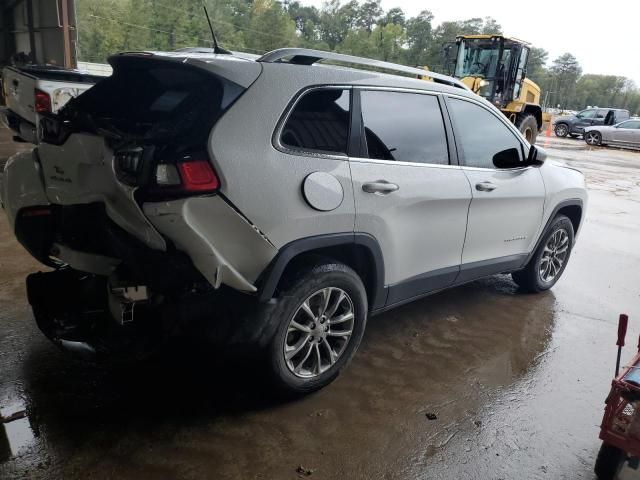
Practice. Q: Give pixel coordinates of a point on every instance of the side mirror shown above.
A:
(509, 158)
(537, 156)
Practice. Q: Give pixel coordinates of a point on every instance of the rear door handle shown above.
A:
(485, 187)
(380, 187)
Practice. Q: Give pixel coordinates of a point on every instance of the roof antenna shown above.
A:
(216, 47)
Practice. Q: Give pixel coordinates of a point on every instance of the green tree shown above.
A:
(419, 33)
(100, 30)
(536, 69)
(389, 40)
(491, 27)
(396, 16)
(336, 21)
(365, 29)
(270, 27)
(564, 72)
(368, 14)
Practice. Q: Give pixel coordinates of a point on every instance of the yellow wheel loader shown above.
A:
(495, 67)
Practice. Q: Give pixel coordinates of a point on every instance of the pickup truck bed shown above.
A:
(32, 90)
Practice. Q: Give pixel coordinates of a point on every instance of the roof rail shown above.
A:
(306, 56)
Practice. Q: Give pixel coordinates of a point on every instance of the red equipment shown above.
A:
(620, 428)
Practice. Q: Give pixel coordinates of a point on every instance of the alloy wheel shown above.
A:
(554, 255)
(561, 130)
(592, 138)
(319, 332)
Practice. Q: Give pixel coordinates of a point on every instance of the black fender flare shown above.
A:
(270, 278)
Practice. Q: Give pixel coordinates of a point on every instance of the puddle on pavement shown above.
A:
(16, 434)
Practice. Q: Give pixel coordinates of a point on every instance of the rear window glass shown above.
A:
(319, 122)
(153, 99)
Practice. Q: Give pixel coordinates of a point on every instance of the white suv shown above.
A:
(301, 197)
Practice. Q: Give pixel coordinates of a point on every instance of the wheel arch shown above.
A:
(572, 208)
(573, 211)
(360, 251)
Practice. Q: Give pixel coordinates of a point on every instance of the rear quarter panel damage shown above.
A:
(21, 185)
(222, 244)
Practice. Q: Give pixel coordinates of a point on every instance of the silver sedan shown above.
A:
(624, 134)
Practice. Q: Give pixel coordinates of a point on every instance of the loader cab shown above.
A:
(493, 66)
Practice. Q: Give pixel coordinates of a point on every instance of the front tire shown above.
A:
(528, 126)
(550, 258)
(593, 138)
(561, 130)
(321, 316)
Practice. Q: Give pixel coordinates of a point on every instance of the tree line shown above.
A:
(364, 29)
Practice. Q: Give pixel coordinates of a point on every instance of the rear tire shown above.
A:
(315, 312)
(528, 126)
(550, 258)
(609, 462)
(561, 130)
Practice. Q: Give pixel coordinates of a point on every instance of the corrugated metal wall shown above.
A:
(39, 30)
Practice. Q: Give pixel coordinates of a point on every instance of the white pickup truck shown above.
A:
(31, 91)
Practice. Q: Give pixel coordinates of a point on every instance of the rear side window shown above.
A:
(622, 115)
(319, 122)
(479, 134)
(405, 127)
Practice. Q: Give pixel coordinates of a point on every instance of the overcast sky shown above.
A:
(603, 35)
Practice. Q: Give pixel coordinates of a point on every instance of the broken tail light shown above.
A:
(42, 102)
(198, 176)
(190, 175)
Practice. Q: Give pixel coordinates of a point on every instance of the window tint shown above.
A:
(602, 113)
(406, 127)
(319, 121)
(480, 135)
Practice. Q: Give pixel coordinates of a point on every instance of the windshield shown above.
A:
(477, 58)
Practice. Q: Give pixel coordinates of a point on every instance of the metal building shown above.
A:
(39, 31)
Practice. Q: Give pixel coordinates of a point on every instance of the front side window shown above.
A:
(587, 114)
(630, 124)
(406, 127)
(319, 122)
(480, 135)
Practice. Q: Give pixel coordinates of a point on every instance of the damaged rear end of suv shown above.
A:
(122, 201)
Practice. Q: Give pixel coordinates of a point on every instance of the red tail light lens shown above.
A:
(42, 102)
(198, 176)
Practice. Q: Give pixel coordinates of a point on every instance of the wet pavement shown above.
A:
(479, 382)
